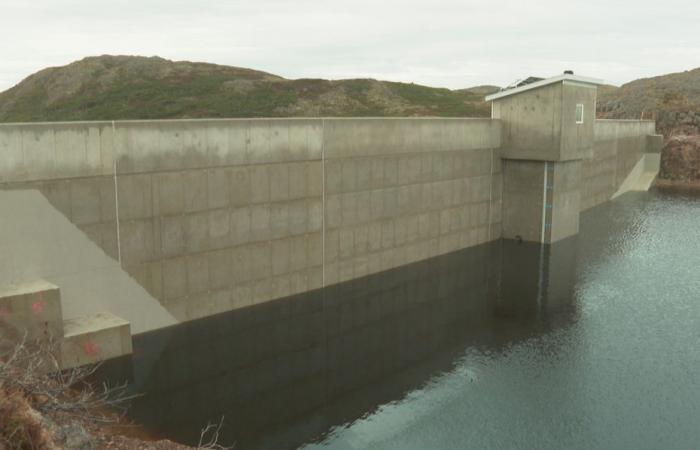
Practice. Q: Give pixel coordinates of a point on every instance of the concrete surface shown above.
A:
(41, 243)
(642, 174)
(617, 149)
(540, 124)
(94, 338)
(402, 190)
(33, 311)
(32, 308)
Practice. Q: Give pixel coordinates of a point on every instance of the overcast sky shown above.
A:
(448, 43)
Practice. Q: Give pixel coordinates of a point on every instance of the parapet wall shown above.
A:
(213, 215)
(618, 146)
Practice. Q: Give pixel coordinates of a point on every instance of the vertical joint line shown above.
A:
(490, 191)
(323, 203)
(544, 203)
(116, 195)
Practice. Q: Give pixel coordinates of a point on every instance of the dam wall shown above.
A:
(214, 215)
(617, 147)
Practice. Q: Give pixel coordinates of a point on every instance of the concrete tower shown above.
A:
(547, 131)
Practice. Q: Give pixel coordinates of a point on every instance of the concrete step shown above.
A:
(641, 176)
(94, 338)
(34, 308)
(645, 181)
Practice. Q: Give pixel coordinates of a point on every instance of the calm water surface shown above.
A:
(592, 344)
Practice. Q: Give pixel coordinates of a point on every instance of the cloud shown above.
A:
(447, 43)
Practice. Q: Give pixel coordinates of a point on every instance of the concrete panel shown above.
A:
(12, 167)
(135, 196)
(279, 182)
(281, 254)
(32, 308)
(197, 266)
(86, 201)
(531, 123)
(260, 222)
(577, 138)
(220, 235)
(241, 268)
(107, 150)
(565, 215)
(137, 241)
(655, 143)
(234, 143)
(169, 193)
(258, 148)
(298, 217)
(523, 187)
(617, 150)
(196, 190)
(259, 184)
(71, 151)
(196, 232)
(241, 225)
(135, 148)
(218, 189)
(239, 183)
(38, 145)
(314, 179)
(279, 220)
(195, 146)
(172, 235)
(219, 150)
(95, 338)
(364, 137)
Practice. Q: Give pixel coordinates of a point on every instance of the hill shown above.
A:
(133, 87)
(672, 99)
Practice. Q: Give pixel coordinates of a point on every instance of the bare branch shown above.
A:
(34, 369)
(209, 437)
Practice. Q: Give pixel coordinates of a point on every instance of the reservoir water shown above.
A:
(593, 343)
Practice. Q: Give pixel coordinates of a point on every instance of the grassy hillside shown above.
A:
(132, 87)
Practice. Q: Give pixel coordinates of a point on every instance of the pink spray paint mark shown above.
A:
(91, 348)
(38, 307)
(4, 312)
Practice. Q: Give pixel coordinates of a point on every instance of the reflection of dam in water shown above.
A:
(284, 372)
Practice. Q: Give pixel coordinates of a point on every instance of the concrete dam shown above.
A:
(125, 227)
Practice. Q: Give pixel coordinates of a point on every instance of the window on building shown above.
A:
(579, 113)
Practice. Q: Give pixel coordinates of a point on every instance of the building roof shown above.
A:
(537, 84)
(528, 80)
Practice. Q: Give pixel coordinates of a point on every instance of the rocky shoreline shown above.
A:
(680, 160)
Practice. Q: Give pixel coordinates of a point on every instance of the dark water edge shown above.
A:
(318, 367)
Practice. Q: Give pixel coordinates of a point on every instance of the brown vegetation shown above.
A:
(43, 408)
